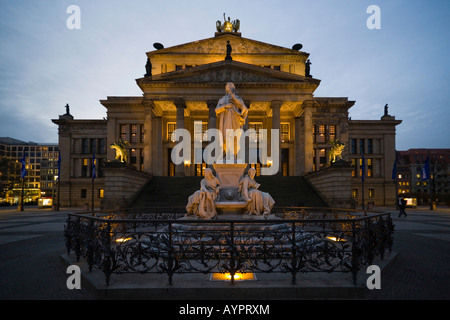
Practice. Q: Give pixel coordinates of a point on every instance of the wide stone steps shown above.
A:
(174, 191)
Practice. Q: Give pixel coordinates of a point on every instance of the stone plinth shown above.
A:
(334, 184)
(122, 183)
(229, 175)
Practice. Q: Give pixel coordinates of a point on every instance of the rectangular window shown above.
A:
(255, 126)
(354, 193)
(133, 156)
(320, 133)
(361, 146)
(123, 132)
(134, 133)
(331, 132)
(354, 168)
(371, 193)
(83, 193)
(102, 145)
(84, 166)
(369, 168)
(84, 146)
(171, 127)
(284, 132)
(369, 146)
(93, 146)
(199, 129)
(101, 193)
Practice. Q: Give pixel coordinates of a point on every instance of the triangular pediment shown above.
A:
(217, 45)
(228, 71)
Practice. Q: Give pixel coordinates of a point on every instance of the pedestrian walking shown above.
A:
(402, 206)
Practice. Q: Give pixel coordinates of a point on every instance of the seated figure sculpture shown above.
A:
(258, 202)
(202, 202)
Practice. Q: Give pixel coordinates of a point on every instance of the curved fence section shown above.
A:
(293, 241)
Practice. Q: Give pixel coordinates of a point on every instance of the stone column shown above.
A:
(308, 139)
(148, 146)
(212, 113)
(298, 152)
(276, 124)
(180, 104)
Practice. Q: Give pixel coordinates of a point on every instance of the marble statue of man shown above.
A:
(258, 202)
(202, 202)
(231, 113)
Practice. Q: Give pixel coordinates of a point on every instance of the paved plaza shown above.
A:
(32, 244)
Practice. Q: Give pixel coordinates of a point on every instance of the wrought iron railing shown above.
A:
(295, 240)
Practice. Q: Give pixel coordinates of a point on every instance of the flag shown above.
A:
(426, 169)
(363, 168)
(23, 171)
(59, 165)
(93, 166)
(394, 168)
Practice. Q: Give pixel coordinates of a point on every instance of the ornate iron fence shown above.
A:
(163, 241)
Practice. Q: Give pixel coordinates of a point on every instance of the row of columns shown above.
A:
(303, 134)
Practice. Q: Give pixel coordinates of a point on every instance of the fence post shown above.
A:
(107, 253)
(294, 256)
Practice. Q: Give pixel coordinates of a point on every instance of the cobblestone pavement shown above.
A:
(32, 242)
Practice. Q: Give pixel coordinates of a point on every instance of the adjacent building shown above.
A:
(41, 165)
(410, 179)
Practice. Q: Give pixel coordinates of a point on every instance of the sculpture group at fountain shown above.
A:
(231, 191)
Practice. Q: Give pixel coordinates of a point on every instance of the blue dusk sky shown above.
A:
(44, 65)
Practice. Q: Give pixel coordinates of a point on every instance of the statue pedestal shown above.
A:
(229, 175)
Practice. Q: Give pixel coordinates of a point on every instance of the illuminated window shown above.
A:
(255, 126)
(199, 129)
(284, 132)
(101, 193)
(320, 133)
(371, 193)
(369, 168)
(134, 133)
(353, 168)
(171, 127)
(331, 132)
(84, 166)
(355, 193)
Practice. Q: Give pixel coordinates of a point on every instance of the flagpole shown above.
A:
(93, 177)
(23, 173)
(363, 165)
(429, 181)
(58, 181)
(21, 197)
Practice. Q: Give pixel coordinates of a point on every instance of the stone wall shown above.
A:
(333, 184)
(122, 184)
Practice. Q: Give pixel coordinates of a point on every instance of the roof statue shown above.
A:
(228, 26)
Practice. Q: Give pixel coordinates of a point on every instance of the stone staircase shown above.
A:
(174, 191)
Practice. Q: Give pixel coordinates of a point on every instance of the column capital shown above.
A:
(276, 104)
(180, 103)
(148, 104)
(211, 103)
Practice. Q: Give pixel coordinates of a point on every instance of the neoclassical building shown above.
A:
(180, 89)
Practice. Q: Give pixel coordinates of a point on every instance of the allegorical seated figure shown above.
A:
(202, 202)
(258, 202)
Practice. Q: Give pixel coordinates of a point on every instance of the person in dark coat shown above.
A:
(402, 206)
